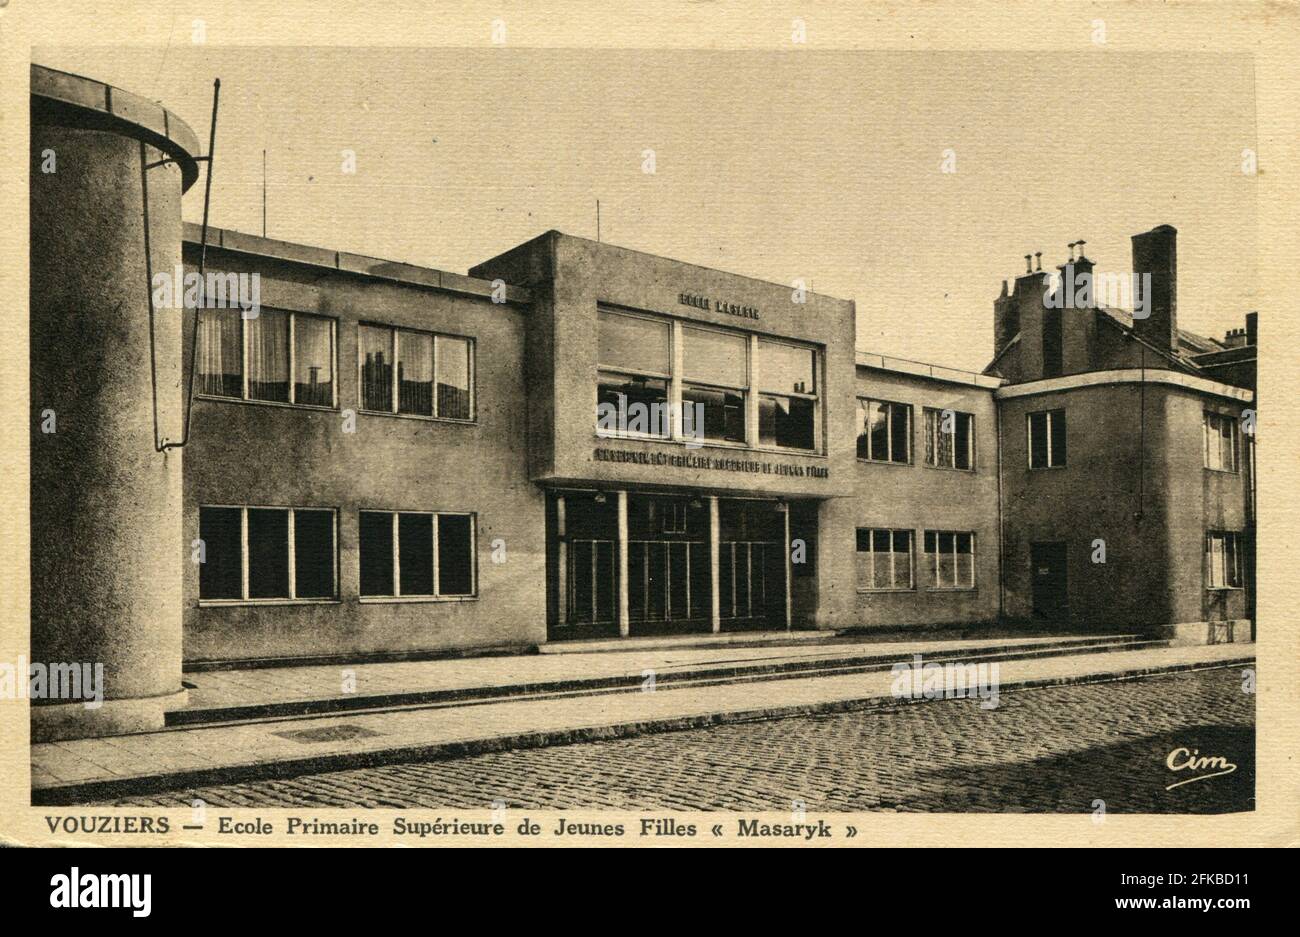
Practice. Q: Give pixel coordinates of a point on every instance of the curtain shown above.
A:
(313, 361)
(415, 373)
(220, 362)
(376, 368)
(268, 356)
(453, 378)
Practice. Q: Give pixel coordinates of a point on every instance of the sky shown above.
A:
(824, 166)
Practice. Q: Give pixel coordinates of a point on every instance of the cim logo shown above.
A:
(102, 891)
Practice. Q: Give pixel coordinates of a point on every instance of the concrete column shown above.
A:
(785, 514)
(621, 559)
(715, 531)
(561, 564)
(107, 549)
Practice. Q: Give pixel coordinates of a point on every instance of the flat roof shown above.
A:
(934, 372)
(360, 264)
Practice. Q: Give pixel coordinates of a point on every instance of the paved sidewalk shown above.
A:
(64, 772)
(241, 689)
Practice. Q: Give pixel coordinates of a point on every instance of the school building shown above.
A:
(573, 440)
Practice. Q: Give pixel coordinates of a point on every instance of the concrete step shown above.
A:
(713, 674)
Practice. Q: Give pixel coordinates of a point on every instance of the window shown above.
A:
(254, 553)
(635, 364)
(884, 559)
(1220, 442)
(649, 368)
(787, 403)
(1046, 430)
(416, 554)
(950, 559)
(715, 368)
(280, 357)
(1223, 560)
(415, 373)
(885, 434)
(949, 439)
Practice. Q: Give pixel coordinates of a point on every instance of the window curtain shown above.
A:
(313, 361)
(376, 368)
(268, 356)
(453, 378)
(220, 361)
(415, 373)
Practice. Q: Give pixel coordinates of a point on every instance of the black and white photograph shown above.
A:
(746, 437)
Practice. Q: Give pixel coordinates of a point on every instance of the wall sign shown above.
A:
(712, 463)
(703, 302)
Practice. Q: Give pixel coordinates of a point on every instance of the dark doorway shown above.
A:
(1050, 587)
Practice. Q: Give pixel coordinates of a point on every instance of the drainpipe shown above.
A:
(1002, 579)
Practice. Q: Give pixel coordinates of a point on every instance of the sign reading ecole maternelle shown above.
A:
(711, 463)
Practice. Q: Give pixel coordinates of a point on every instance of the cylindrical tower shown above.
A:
(106, 391)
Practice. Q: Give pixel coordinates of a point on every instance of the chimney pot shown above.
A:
(1029, 267)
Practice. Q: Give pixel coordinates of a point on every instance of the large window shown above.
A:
(255, 553)
(885, 433)
(415, 373)
(635, 358)
(1223, 560)
(276, 356)
(949, 439)
(787, 403)
(884, 559)
(950, 559)
(416, 554)
(729, 387)
(1220, 442)
(715, 382)
(1046, 430)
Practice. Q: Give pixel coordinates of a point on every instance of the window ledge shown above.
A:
(1220, 471)
(953, 589)
(1225, 588)
(716, 444)
(1047, 468)
(885, 591)
(952, 468)
(413, 599)
(418, 416)
(885, 462)
(268, 403)
(254, 603)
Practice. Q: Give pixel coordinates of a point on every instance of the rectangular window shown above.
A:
(787, 405)
(1220, 442)
(255, 553)
(715, 384)
(884, 559)
(733, 387)
(635, 365)
(415, 373)
(885, 433)
(1046, 437)
(280, 357)
(949, 439)
(1223, 560)
(416, 554)
(950, 559)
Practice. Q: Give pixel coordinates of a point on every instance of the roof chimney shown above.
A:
(1252, 328)
(1155, 261)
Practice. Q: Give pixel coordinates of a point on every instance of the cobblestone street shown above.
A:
(1050, 750)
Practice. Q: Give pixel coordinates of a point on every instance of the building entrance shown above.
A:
(626, 563)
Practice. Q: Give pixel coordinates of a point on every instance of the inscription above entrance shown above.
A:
(703, 302)
(752, 466)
